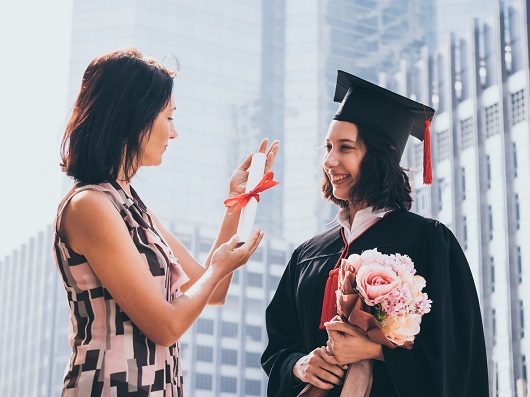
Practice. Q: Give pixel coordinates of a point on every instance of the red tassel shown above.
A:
(427, 160)
(329, 305)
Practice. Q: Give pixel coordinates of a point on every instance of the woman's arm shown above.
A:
(194, 269)
(92, 227)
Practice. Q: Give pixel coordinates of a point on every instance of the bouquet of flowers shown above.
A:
(381, 295)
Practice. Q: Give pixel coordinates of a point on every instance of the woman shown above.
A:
(363, 177)
(130, 298)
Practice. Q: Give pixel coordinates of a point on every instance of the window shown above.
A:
(420, 201)
(184, 239)
(418, 155)
(258, 255)
(274, 280)
(518, 104)
(235, 277)
(463, 175)
(464, 224)
(229, 356)
(228, 329)
(254, 306)
(443, 145)
(253, 332)
(204, 353)
(231, 303)
(492, 120)
(253, 360)
(523, 362)
(203, 381)
(519, 266)
(277, 257)
(466, 132)
(254, 279)
(521, 317)
(205, 245)
(496, 380)
(440, 190)
(492, 271)
(517, 213)
(228, 384)
(252, 387)
(514, 149)
(488, 171)
(494, 326)
(490, 222)
(205, 326)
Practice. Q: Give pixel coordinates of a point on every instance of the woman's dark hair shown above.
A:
(382, 182)
(121, 95)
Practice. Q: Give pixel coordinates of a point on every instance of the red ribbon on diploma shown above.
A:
(239, 201)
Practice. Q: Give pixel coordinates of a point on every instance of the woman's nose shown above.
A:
(330, 160)
(173, 133)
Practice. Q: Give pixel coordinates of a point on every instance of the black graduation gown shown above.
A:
(448, 357)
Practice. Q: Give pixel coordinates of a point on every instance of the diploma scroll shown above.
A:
(248, 212)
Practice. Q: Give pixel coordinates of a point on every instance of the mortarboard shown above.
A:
(386, 113)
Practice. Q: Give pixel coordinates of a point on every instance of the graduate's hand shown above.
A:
(238, 181)
(348, 345)
(314, 369)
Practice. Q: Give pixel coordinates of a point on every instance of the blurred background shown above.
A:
(267, 68)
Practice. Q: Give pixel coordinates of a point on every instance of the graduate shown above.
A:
(363, 177)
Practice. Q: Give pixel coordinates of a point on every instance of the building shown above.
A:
(455, 17)
(34, 327)
(217, 93)
(322, 36)
(479, 84)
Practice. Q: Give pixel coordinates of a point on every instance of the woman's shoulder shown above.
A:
(412, 223)
(88, 194)
(326, 243)
(422, 230)
(87, 201)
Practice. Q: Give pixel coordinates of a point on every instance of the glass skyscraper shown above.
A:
(478, 82)
(366, 38)
(217, 93)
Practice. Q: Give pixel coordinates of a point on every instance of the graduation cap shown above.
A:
(386, 113)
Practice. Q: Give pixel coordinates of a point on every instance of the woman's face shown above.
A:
(163, 130)
(344, 153)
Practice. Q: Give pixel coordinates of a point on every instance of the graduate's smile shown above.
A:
(337, 179)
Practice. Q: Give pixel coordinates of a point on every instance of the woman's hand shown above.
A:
(314, 368)
(348, 345)
(238, 182)
(228, 257)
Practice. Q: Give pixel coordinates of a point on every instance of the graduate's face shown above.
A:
(344, 153)
(162, 131)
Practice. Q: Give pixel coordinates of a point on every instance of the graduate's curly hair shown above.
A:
(382, 182)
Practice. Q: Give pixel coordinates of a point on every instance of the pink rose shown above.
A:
(402, 329)
(373, 256)
(375, 282)
(355, 260)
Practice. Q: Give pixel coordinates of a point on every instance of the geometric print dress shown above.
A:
(111, 357)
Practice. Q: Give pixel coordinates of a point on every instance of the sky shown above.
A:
(35, 40)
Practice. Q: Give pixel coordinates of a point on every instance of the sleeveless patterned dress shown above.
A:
(111, 357)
